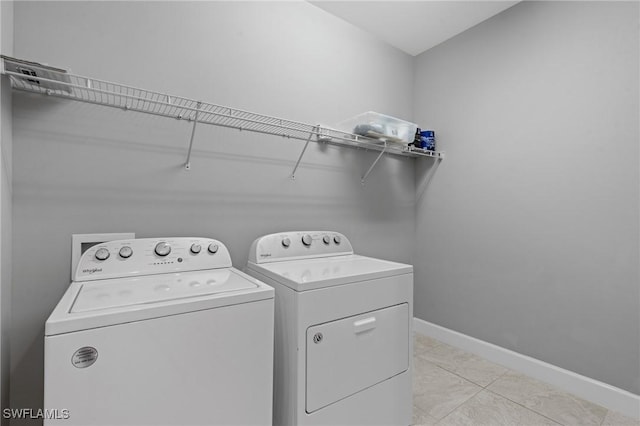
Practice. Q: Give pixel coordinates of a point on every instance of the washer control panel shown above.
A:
(299, 245)
(146, 256)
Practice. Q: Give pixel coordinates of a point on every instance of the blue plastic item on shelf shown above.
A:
(428, 138)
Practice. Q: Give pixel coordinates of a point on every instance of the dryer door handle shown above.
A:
(363, 325)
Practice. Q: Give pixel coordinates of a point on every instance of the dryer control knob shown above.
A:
(213, 248)
(102, 254)
(195, 248)
(163, 248)
(336, 239)
(306, 240)
(286, 242)
(125, 252)
(326, 239)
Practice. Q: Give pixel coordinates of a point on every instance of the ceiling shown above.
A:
(414, 26)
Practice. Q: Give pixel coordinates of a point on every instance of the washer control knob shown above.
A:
(213, 248)
(195, 248)
(326, 239)
(125, 252)
(102, 254)
(163, 248)
(286, 242)
(306, 240)
(336, 239)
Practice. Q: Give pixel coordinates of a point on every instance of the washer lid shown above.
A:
(117, 293)
(101, 303)
(309, 274)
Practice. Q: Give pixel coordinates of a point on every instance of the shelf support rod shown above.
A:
(187, 165)
(293, 174)
(364, 178)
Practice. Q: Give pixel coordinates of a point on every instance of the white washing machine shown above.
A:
(160, 332)
(343, 331)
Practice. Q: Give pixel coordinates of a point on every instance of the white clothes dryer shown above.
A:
(343, 331)
(160, 332)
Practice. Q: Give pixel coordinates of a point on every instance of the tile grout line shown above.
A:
(463, 402)
(439, 344)
(415, 407)
(461, 376)
(496, 379)
(452, 372)
(553, 388)
(458, 407)
(466, 380)
(605, 417)
(525, 407)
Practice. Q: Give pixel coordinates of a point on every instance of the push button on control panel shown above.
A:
(306, 240)
(286, 242)
(162, 248)
(213, 248)
(102, 254)
(125, 252)
(326, 239)
(195, 248)
(337, 239)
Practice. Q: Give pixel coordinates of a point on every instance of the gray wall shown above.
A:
(80, 168)
(6, 141)
(528, 233)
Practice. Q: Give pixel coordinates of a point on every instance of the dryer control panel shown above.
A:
(147, 256)
(299, 245)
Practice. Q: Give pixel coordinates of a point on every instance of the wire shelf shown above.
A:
(38, 78)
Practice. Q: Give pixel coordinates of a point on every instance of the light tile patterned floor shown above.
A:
(452, 387)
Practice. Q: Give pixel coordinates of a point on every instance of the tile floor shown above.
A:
(454, 387)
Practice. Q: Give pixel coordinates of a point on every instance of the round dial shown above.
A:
(306, 240)
(125, 252)
(102, 254)
(326, 239)
(286, 242)
(213, 248)
(336, 239)
(163, 248)
(195, 248)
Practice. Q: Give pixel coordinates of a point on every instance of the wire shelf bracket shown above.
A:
(306, 144)
(187, 164)
(368, 172)
(42, 79)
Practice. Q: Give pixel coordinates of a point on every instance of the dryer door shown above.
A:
(354, 353)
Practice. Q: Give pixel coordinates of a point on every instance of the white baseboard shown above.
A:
(608, 396)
